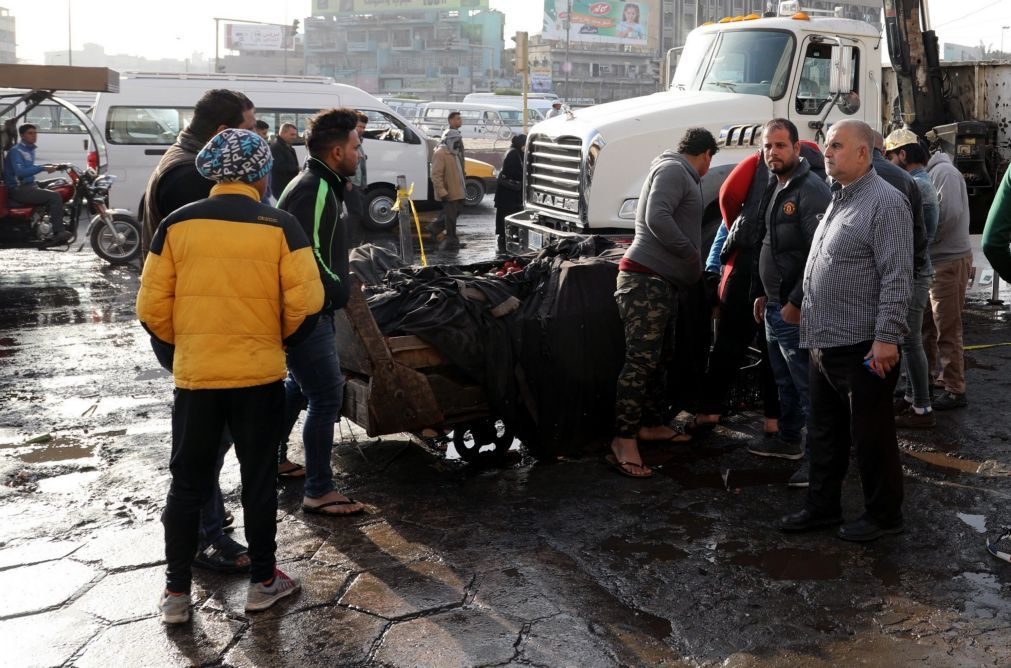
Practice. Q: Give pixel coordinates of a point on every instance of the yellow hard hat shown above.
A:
(899, 138)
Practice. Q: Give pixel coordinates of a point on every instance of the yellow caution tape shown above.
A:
(984, 346)
(406, 194)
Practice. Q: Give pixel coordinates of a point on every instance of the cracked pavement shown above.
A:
(524, 564)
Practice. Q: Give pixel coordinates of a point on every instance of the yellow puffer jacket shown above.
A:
(229, 282)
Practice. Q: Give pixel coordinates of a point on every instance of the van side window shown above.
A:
(145, 125)
(386, 127)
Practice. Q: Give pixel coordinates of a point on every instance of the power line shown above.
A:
(996, 2)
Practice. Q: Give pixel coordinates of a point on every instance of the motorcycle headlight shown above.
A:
(628, 207)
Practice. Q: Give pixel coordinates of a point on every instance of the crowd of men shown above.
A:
(853, 265)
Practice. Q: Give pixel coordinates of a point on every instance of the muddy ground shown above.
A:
(526, 564)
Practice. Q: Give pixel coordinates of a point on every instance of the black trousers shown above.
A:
(254, 415)
(849, 404)
(735, 331)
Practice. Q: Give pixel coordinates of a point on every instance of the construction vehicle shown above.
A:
(584, 169)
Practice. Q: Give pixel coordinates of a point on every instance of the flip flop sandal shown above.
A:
(321, 509)
(221, 556)
(297, 471)
(613, 462)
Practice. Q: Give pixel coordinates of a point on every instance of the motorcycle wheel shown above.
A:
(120, 248)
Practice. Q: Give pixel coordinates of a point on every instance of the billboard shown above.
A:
(608, 22)
(253, 37)
(331, 7)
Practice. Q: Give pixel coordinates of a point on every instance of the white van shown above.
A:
(142, 120)
(540, 101)
(488, 121)
(409, 108)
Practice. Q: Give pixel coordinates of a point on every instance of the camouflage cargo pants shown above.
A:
(647, 305)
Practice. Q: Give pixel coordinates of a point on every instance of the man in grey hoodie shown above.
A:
(951, 255)
(664, 256)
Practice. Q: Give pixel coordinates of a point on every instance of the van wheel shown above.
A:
(475, 192)
(379, 213)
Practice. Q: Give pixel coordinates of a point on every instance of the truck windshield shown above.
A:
(751, 62)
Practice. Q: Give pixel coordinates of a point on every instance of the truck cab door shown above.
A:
(829, 87)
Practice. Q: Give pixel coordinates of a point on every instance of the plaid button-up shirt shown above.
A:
(859, 274)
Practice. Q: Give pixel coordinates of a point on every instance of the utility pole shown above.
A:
(70, 47)
(217, 65)
(568, 38)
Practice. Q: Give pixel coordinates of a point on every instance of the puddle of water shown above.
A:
(945, 461)
(153, 374)
(977, 522)
(887, 572)
(731, 480)
(58, 450)
(792, 564)
(71, 483)
(652, 551)
(986, 601)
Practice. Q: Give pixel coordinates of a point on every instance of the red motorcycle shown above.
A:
(114, 234)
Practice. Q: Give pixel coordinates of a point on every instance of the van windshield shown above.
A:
(750, 62)
(515, 116)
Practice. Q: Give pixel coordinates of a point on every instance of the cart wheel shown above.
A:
(469, 438)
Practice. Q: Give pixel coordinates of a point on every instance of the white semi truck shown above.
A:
(584, 169)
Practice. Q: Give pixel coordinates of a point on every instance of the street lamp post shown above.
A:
(568, 38)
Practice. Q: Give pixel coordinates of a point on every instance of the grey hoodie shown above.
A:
(951, 241)
(668, 221)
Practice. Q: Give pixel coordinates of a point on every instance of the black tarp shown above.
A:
(546, 344)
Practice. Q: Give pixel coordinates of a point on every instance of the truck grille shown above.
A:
(554, 175)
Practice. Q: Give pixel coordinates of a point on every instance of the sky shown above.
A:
(179, 28)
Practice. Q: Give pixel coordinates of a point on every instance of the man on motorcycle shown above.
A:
(19, 175)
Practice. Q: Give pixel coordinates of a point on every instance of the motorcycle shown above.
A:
(114, 234)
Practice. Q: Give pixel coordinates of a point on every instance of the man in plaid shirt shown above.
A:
(857, 285)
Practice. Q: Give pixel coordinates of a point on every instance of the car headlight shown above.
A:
(494, 173)
(628, 207)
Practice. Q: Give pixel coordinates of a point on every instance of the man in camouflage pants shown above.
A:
(663, 257)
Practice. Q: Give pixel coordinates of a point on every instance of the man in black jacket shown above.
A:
(285, 160)
(794, 200)
(315, 198)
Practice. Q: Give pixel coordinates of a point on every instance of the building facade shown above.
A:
(8, 38)
(432, 49)
(94, 55)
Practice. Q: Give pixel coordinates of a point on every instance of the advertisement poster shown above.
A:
(614, 22)
(540, 79)
(252, 37)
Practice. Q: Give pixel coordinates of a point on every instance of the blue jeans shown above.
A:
(789, 364)
(315, 380)
(914, 358)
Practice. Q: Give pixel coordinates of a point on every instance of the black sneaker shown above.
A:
(807, 520)
(913, 420)
(901, 406)
(949, 400)
(776, 447)
(866, 529)
(801, 477)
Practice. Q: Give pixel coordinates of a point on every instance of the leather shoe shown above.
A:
(866, 529)
(807, 520)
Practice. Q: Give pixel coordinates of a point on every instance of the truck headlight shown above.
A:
(628, 207)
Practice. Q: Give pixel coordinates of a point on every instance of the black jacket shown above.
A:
(794, 217)
(315, 199)
(509, 191)
(285, 166)
(900, 179)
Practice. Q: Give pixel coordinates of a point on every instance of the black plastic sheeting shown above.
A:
(545, 343)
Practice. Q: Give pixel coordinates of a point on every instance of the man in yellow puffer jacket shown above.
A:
(228, 282)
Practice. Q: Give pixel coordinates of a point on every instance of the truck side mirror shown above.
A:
(841, 77)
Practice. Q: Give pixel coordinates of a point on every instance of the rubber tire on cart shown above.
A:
(378, 205)
(474, 192)
(104, 245)
(481, 433)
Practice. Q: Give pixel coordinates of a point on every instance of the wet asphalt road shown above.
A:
(526, 564)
